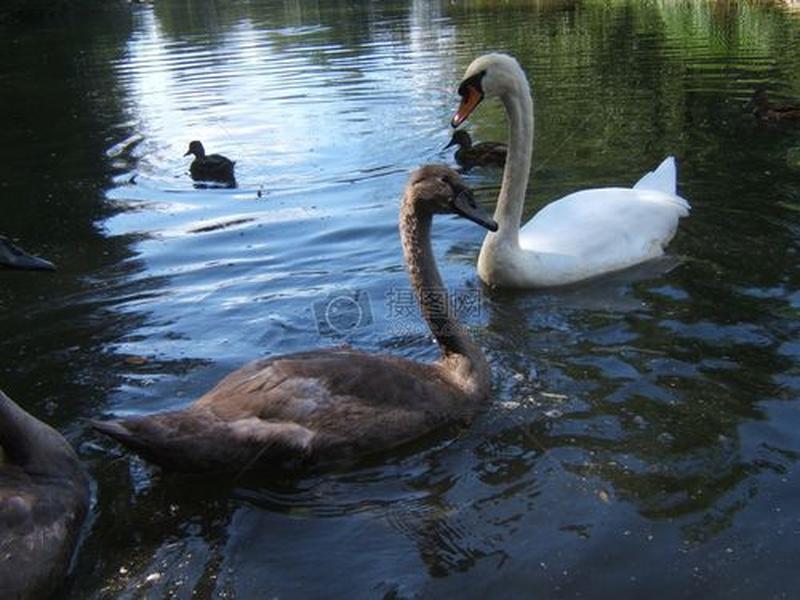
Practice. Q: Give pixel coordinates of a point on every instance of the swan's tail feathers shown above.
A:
(176, 440)
(196, 441)
(663, 179)
(113, 429)
(684, 204)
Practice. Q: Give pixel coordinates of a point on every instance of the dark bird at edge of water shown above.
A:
(480, 154)
(210, 167)
(14, 257)
(763, 109)
(44, 498)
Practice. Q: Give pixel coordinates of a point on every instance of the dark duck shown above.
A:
(14, 257)
(210, 167)
(763, 109)
(334, 407)
(479, 155)
(44, 497)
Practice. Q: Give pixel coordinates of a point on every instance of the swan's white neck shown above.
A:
(511, 200)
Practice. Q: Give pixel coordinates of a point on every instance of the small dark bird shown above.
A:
(211, 167)
(765, 110)
(334, 406)
(14, 257)
(482, 154)
(44, 497)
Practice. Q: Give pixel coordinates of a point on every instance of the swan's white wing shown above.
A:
(604, 229)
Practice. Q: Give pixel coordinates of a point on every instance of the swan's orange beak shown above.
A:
(470, 98)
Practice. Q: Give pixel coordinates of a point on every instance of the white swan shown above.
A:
(582, 235)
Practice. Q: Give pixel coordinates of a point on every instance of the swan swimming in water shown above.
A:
(44, 497)
(334, 406)
(582, 235)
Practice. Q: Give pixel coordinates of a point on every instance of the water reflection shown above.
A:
(643, 428)
(53, 173)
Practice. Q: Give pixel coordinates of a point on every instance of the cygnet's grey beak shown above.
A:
(464, 204)
(14, 257)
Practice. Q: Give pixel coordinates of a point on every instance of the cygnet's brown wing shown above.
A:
(303, 409)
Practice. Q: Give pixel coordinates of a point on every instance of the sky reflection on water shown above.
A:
(642, 438)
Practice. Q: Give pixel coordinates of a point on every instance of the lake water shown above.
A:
(644, 432)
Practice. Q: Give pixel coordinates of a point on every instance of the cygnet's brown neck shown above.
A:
(461, 354)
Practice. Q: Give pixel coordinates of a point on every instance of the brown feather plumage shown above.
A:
(325, 407)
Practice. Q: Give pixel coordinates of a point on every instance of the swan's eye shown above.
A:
(471, 82)
(455, 186)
